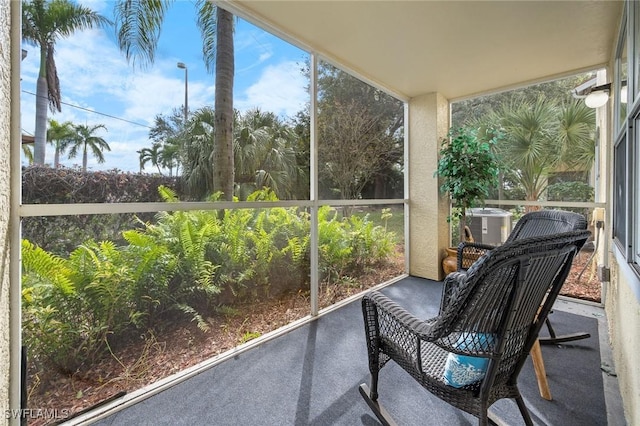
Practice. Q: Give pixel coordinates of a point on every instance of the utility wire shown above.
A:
(96, 112)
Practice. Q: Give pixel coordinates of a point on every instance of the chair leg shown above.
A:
(375, 406)
(373, 393)
(485, 419)
(524, 411)
(541, 374)
(554, 340)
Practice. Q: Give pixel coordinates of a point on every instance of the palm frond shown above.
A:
(138, 26)
(71, 17)
(53, 82)
(207, 23)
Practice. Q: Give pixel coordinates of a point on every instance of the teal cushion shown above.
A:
(463, 370)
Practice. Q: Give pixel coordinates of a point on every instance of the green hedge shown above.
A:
(60, 234)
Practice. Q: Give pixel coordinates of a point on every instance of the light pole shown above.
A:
(181, 65)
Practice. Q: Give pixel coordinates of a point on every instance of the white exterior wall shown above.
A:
(622, 294)
(5, 192)
(623, 315)
(429, 230)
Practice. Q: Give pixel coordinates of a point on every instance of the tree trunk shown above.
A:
(461, 225)
(42, 101)
(223, 167)
(380, 189)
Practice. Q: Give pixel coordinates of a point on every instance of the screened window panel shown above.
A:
(360, 139)
(622, 82)
(125, 130)
(635, 196)
(620, 184)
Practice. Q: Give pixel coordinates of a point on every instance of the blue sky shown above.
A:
(94, 75)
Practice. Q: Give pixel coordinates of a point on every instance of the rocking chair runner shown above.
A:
(533, 224)
(489, 315)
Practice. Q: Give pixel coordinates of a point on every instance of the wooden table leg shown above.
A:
(541, 374)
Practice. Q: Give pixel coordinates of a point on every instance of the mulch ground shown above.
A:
(582, 282)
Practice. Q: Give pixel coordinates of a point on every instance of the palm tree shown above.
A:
(86, 141)
(197, 152)
(252, 133)
(27, 150)
(264, 152)
(223, 168)
(577, 131)
(170, 156)
(43, 23)
(168, 133)
(150, 155)
(539, 137)
(60, 135)
(265, 155)
(139, 25)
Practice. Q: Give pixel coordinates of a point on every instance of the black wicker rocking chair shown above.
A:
(534, 224)
(471, 354)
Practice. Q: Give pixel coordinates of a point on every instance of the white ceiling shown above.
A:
(456, 48)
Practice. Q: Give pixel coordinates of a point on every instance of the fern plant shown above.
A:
(71, 307)
(334, 245)
(153, 266)
(75, 309)
(184, 240)
(104, 281)
(49, 309)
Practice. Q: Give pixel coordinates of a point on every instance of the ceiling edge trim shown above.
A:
(532, 82)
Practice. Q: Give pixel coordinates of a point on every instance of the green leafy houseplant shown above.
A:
(468, 169)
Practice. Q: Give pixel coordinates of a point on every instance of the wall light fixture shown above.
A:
(598, 96)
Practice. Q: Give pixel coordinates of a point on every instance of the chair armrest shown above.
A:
(387, 318)
(393, 332)
(450, 285)
(469, 252)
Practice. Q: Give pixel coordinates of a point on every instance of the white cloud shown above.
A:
(253, 47)
(280, 89)
(263, 57)
(103, 7)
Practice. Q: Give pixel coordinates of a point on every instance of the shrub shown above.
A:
(74, 308)
(350, 244)
(59, 234)
(572, 191)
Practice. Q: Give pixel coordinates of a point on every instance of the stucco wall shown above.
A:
(428, 227)
(5, 121)
(623, 314)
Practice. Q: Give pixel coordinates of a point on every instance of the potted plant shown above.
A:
(468, 169)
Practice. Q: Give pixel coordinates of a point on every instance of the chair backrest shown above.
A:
(546, 222)
(500, 303)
